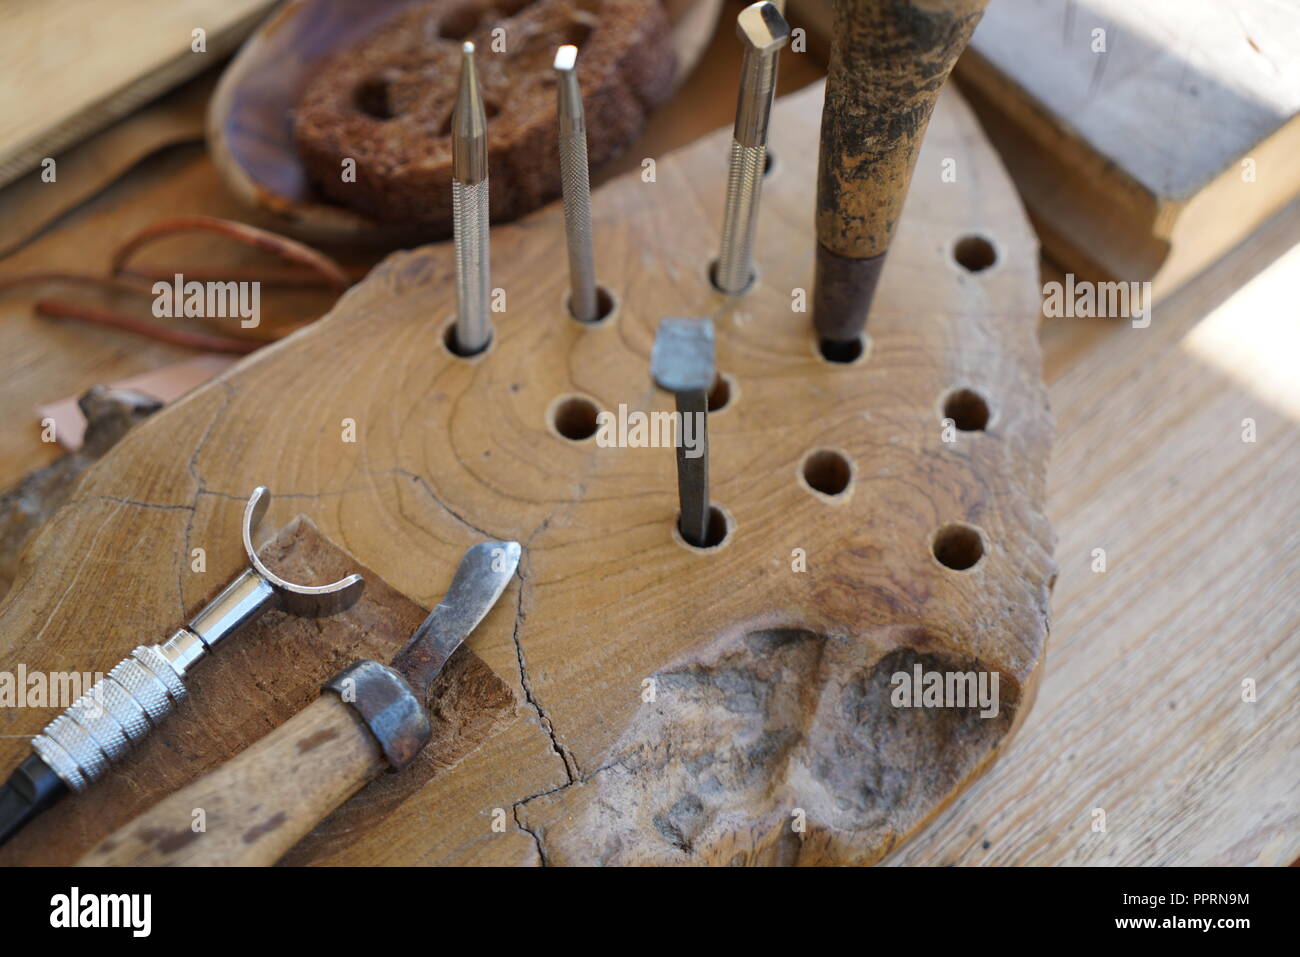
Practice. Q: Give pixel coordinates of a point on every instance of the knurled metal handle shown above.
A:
(98, 728)
(735, 267)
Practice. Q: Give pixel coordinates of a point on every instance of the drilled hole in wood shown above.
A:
(769, 161)
(967, 409)
(453, 344)
(605, 305)
(717, 532)
(720, 394)
(828, 472)
(974, 253)
(575, 418)
(841, 352)
(958, 546)
(713, 280)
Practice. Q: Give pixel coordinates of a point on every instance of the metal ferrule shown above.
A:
(240, 602)
(388, 706)
(183, 651)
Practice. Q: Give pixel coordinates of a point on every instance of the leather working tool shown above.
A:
(371, 717)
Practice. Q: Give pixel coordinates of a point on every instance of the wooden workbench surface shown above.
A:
(1140, 713)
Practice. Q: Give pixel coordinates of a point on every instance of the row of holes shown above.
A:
(957, 546)
(826, 471)
(575, 416)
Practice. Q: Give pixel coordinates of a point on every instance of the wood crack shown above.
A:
(571, 770)
(424, 484)
(541, 850)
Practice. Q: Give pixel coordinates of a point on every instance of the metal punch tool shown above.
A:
(79, 746)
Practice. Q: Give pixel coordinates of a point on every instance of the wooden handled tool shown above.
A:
(256, 806)
(260, 803)
(889, 58)
(101, 727)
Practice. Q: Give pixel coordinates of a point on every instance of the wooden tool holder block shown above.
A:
(676, 705)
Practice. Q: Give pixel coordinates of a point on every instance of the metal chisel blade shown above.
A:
(482, 576)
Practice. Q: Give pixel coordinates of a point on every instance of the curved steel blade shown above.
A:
(482, 576)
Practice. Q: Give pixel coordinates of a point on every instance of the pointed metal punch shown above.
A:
(469, 207)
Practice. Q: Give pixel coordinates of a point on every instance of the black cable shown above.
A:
(30, 790)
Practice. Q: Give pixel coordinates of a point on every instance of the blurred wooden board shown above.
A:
(1131, 160)
(75, 67)
(28, 205)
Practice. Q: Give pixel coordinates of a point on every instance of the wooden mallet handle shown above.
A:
(261, 802)
(889, 59)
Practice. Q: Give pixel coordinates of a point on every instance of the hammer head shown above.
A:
(682, 358)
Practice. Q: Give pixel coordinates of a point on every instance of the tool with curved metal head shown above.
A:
(79, 746)
(372, 717)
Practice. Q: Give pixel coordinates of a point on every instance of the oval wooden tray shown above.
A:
(670, 705)
(250, 134)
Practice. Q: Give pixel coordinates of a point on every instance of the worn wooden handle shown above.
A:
(888, 60)
(257, 805)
